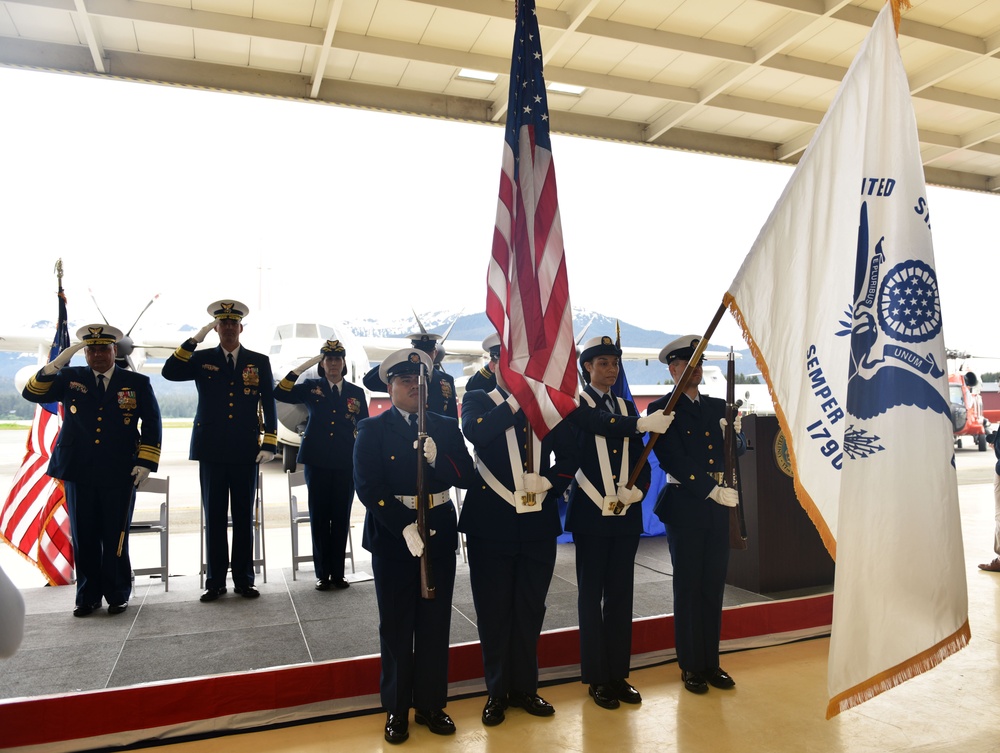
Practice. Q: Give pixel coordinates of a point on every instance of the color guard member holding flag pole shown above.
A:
(413, 631)
(695, 508)
(108, 445)
(606, 522)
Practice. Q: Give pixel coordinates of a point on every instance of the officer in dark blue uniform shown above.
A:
(327, 451)
(511, 521)
(441, 396)
(606, 522)
(485, 379)
(695, 507)
(235, 407)
(108, 444)
(413, 631)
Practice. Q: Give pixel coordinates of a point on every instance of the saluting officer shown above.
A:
(108, 445)
(335, 407)
(606, 522)
(441, 396)
(235, 406)
(694, 507)
(511, 520)
(485, 379)
(413, 632)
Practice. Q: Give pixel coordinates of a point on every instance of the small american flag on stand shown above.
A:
(527, 297)
(34, 519)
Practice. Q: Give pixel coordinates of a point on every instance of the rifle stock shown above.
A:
(427, 588)
(737, 521)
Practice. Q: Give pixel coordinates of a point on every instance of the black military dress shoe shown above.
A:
(694, 682)
(211, 594)
(117, 608)
(604, 696)
(85, 609)
(493, 711)
(340, 583)
(625, 692)
(397, 728)
(322, 584)
(533, 703)
(437, 721)
(247, 592)
(718, 678)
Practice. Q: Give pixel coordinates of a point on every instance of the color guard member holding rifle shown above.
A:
(606, 522)
(413, 630)
(695, 507)
(511, 519)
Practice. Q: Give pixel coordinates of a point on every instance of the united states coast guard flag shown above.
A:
(527, 297)
(839, 301)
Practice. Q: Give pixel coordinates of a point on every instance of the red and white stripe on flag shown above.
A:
(527, 297)
(34, 519)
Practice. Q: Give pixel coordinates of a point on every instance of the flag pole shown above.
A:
(682, 384)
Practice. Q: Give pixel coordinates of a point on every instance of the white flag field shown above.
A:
(839, 302)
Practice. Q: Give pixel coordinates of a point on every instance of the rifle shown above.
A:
(427, 588)
(737, 521)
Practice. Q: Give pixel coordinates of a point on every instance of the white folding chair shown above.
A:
(300, 514)
(259, 548)
(159, 525)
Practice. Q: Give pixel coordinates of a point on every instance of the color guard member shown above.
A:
(695, 507)
(235, 407)
(335, 407)
(108, 445)
(413, 631)
(606, 522)
(485, 379)
(441, 396)
(511, 521)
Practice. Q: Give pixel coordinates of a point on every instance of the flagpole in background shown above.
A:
(34, 519)
(527, 296)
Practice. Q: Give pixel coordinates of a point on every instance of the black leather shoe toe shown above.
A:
(718, 678)
(211, 594)
(117, 608)
(493, 711)
(247, 592)
(340, 583)
(397, 729)
(85, 609)
(625, 692)
(436, 720)
(533, 703)
(694, 682)
(322, 584)
(604, 696)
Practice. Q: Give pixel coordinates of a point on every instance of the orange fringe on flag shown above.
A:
(897, 7)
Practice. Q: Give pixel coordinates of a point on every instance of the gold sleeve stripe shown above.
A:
(148, 452)
(182, 354)
(36, 387)
(286, 384)
(271, 438)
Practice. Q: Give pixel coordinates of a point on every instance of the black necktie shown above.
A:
(232, 365)
(610, 402)
(413, 421)
(100, 385)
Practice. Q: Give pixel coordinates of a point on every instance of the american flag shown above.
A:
(527, 297)
(34, 519)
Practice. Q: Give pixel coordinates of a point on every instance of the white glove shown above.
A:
(629, 496)
(535, 484)
(302, 368)
(62, 359)
(411, 535)
(737, 424)
(512, 402)
(657, 422)
(202, 333)
(430, 450)
(264, 456)
(724, 496)
(140, 474)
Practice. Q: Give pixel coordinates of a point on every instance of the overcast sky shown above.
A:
(317, 210)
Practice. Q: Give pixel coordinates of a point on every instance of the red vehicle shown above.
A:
(967, 408)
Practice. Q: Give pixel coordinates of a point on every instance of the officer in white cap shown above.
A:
(413, 632)
(108, 445)
(441, 396)
(606, 521)
(486, 379)
(235, 391)
(335, 407)
(694, 507)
